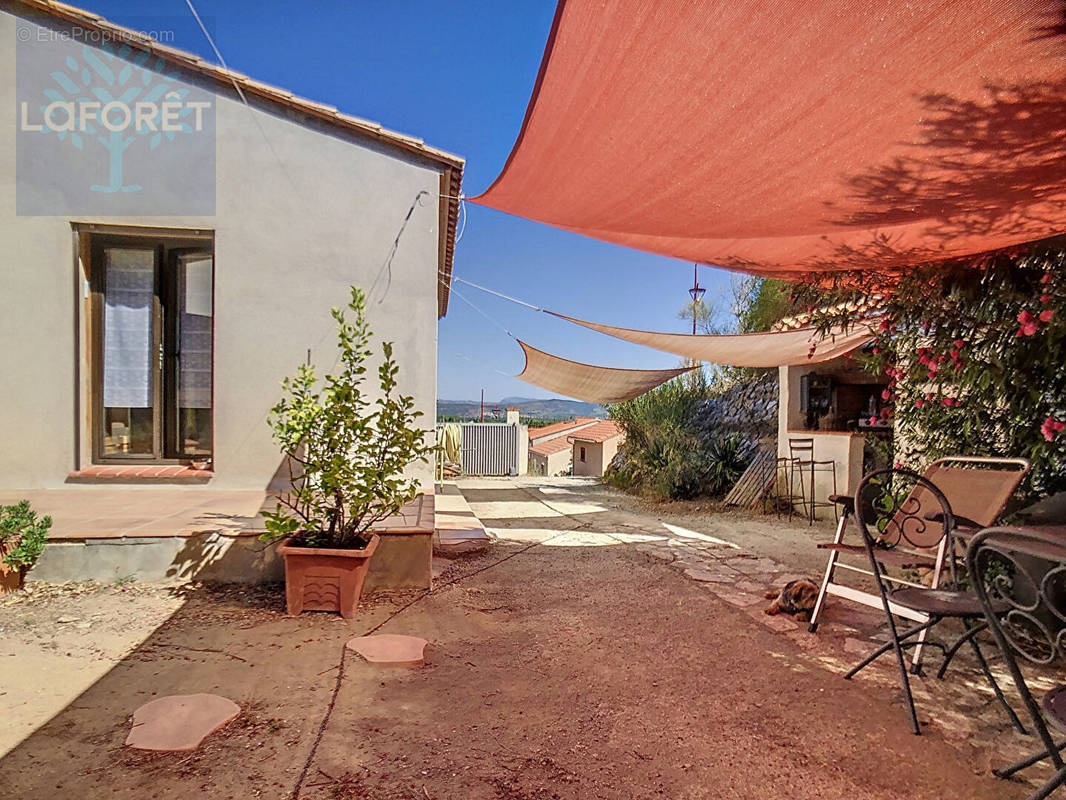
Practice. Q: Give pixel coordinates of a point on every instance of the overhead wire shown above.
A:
(498, 294)
(462, 215)
(386, 267)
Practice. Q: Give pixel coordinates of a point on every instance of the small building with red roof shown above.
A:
(550, 448)
(595, 447)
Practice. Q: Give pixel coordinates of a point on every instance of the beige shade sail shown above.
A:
(774, 349)
(588, 382)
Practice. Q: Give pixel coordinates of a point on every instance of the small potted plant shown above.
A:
(22, 539)
(347, 455)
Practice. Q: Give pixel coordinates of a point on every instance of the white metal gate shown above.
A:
(491, 448)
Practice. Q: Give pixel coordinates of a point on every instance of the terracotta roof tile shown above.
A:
(600, 432)
(558, 427)
(550, 446)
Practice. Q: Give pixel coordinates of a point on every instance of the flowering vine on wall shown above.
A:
(973, 356)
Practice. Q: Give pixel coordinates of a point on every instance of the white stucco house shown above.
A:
(175, 235)
(581, 446)
(550, 448)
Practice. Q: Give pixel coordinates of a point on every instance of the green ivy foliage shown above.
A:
(24, 533)
(348, 452)
(974, 355)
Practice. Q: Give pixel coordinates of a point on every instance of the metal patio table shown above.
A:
(1026, 568)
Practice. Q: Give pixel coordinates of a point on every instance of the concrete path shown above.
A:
(457, 529)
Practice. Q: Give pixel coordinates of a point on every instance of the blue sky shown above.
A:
(458, 75)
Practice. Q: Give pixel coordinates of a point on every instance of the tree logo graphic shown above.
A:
(114, 99)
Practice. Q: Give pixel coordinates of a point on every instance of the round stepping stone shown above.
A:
(390, 648)
(179, 722)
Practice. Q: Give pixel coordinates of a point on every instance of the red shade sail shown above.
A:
(797, 136)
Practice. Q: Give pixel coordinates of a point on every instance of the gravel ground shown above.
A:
(571, 668)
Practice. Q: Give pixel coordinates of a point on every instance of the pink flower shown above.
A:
(949, 401)
(876, 350)
(929, 395)
(1046, 315)
(872, 420)
(919, 403)
(1028, 322)
(885, 395)
(1051, 427)
(959, 344)
(955, 355)
(1045, 298)
(1047, 278)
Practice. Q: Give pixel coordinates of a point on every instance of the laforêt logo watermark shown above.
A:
(106, 127)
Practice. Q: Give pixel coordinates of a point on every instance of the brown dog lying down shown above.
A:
(797, 598)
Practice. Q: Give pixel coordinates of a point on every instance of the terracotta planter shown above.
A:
(11, 578)
(324, 579)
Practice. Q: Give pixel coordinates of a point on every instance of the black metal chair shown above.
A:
(899, 507)
(1010, 566)
(801, 458)
(779, 497)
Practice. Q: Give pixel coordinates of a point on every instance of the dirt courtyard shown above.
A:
(556, 670)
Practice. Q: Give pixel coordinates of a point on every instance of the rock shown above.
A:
(179, 722)
(778, 622)
(852, 645)
(390, 649)
(67, 620)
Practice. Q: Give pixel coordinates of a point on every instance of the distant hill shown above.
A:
(529, 408)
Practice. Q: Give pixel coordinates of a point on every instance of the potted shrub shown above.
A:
(22, 539)
(347, 454)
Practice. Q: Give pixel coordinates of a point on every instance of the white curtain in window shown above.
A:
(129, 288)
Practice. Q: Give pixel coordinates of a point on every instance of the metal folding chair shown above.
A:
(977, 489)
(898, 507)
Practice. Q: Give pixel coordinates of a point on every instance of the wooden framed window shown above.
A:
(152, 311)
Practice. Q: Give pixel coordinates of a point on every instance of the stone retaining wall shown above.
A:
(748, 409)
